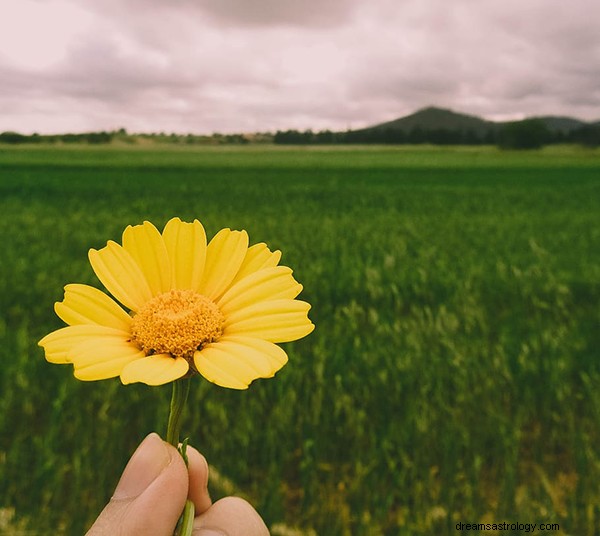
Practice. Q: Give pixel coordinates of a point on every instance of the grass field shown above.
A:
(453, 376)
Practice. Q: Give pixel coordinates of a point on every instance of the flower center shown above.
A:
(177, 322)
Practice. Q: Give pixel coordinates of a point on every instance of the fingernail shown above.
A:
(148, 461)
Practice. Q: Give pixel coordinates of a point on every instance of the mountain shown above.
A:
(439, 126)
(433, 118)
(559, 124)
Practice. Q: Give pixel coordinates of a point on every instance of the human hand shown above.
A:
(152, 492)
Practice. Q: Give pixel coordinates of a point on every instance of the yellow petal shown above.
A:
(266, 284)
(243, 358)
(257, 257)
(267, 308)
(220, 364)
(224, 256)
(155, 370)
(145, 244)
(186, 246)
(58, 344)
(121, 275)
(83, 304)
(99, 359)
(234, 362)
(275, 321)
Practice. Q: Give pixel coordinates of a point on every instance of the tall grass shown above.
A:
(453, 374)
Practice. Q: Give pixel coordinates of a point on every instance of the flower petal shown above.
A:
(242, 358)
(266, 284)
(58, 344)
(145, 244)
(234, 362)
(98, 358)
(224, 256)
(275, 321)
(83, 304)
(257, 257)
(186, 246)
(155, 370)
(121, 275)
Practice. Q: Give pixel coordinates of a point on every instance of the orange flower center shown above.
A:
(177, 322)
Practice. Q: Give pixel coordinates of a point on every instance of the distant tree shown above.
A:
(293, 137)
(325, 137)
(490, 137)
(282, 137)
(588, 135)
(70, 138)
(98, 137)
(443, 136)
(389, 135)
(236, 139)
(526, 134)
(470, 137)
(417, 135)
(12, 138)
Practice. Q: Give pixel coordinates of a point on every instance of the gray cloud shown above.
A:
(240, 13)
(487, 58)
(220, 66)
(320, 13)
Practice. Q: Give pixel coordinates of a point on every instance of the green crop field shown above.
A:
(453, 376)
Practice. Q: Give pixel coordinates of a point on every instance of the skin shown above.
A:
(152, 491)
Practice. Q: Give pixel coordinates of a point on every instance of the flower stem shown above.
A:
(181, 388)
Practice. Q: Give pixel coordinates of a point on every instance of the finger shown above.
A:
(230, 516)
(150, 495)
(198, 490)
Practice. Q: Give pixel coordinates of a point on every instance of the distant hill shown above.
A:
(433, 118)
(441, 126)
(564, 125)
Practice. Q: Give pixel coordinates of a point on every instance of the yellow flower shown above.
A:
(215, 309)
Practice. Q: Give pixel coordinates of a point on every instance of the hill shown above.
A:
(441, 126)
(559, 124)
(433, 118)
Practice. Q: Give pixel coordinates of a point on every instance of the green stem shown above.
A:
(181, 388)
(186, 521)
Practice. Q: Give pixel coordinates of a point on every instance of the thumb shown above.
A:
(150, 495)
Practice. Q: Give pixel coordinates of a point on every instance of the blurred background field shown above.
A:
(453, 374)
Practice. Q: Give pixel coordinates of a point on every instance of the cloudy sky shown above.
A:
(207, 66)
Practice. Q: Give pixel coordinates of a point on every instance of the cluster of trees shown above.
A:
(527, 134)
(440, 136)
(86, 137)
(123, 136)
(196, 139)
(533, 134)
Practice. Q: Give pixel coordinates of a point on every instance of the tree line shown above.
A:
(122, 136)
(93, 138)
(526, 134)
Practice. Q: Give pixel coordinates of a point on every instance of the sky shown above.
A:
(204, 66)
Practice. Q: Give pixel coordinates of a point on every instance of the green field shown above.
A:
(453, 376)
